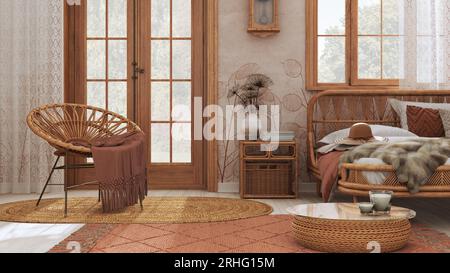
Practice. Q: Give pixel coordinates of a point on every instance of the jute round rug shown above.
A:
(157, 210)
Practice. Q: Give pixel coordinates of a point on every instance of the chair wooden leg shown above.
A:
(48, 181)
(355, 199)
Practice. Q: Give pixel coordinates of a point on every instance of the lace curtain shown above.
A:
(426, 48)
(31, 74)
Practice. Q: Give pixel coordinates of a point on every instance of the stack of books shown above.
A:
(280, 136)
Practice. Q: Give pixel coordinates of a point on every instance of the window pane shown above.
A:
(96, 94)
(117, 18)
(331, 17)
(181, 141)
(117, 60)
(391, 58)
(369, 58)
(369, 17)
(160, 101)
(96, 60)
(182, 18)
(96, 18)
(160, 18)
(160, 143)
(182, 59)
(160, 60)
(331, 67)
(391, 15)
(181, 101)
(117, 98)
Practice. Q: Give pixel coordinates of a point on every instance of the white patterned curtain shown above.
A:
(426, 49)
(31, 74)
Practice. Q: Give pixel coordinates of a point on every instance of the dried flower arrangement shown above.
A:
(246, 93)
(251, 89)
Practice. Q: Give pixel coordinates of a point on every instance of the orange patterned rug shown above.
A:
(265, 234)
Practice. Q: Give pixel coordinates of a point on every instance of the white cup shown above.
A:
(381, 200)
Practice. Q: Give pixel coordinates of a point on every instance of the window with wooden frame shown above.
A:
(353, 44)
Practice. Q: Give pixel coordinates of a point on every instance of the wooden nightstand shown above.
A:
(268, 174)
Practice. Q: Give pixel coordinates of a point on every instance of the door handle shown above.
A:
(139, 70)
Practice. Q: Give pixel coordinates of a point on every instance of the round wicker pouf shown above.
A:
(340, 228)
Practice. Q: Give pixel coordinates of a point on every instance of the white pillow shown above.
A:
(401, 106)
(377, 130)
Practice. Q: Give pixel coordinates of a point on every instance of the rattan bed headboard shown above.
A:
(332, 110)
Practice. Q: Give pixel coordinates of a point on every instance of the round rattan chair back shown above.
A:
(65, 125)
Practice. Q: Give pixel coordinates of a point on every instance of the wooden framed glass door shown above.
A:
(143, 59)
(171, 56)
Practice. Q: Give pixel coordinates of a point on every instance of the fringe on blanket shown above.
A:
(120, 193)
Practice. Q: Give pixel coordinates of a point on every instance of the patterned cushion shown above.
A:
(425, 122)
(445, 116)
(400, 108)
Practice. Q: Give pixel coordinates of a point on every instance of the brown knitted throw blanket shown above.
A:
(121, 169)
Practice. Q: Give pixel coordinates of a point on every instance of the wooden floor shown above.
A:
(17, 237)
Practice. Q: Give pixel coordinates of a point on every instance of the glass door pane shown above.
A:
(107, 54)
(171, 88)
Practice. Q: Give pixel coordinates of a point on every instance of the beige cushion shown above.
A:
(445, 116)
(401, 106)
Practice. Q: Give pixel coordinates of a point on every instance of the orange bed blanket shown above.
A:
(328, 165)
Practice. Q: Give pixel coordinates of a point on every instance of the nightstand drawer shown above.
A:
(268, 179)
(284, 151)
(254, 151)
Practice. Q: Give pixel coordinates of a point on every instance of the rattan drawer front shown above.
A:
(268, 179)
(284, 151)
(254, 151)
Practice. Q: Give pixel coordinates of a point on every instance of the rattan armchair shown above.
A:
(70, 128)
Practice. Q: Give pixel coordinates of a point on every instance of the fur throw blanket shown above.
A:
(414, 161)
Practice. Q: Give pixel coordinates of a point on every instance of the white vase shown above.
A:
(251, 125)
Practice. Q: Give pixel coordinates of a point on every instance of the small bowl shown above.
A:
(366, 208)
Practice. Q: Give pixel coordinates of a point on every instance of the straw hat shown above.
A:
(360, 133)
